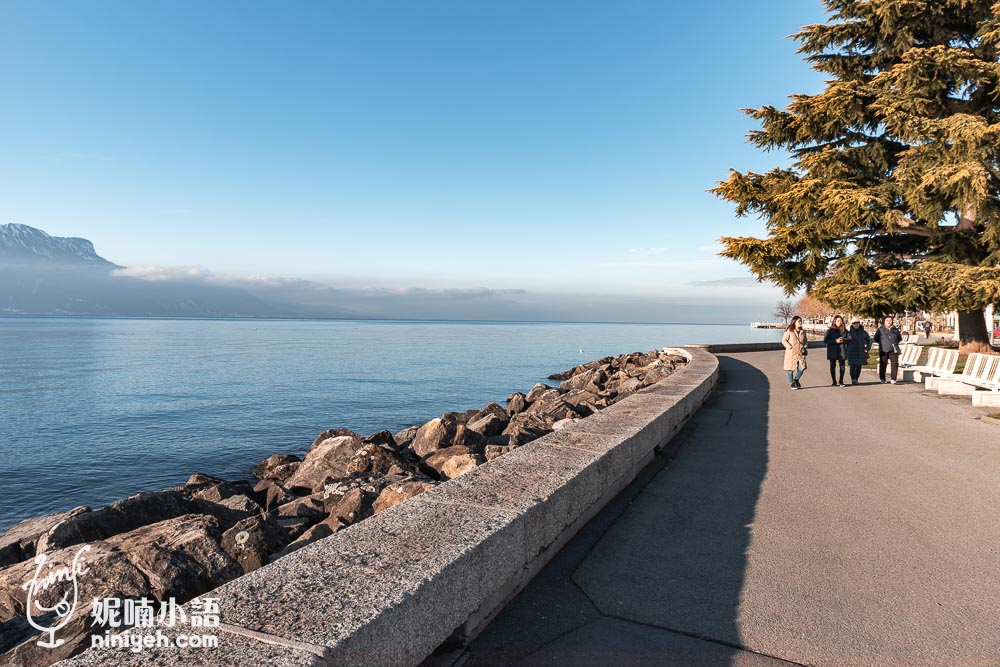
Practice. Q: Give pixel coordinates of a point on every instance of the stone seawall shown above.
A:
(393, 588)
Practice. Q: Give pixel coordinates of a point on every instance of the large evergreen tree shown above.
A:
(892, 197)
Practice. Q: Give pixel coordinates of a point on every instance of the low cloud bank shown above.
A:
(706, 301)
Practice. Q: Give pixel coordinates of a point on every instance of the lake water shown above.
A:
(92, 410)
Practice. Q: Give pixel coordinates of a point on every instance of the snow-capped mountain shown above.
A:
(48, 275)
(23, 243)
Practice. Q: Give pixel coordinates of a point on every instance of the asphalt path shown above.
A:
(826, 526)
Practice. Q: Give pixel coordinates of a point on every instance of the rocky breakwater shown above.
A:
(182, 542)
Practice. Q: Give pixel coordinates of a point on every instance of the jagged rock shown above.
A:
(524, 428)
(372, 458)
(516, 403)
(435, 434)
(491, 408)
(242, 503)
(180, 557)
(293, 526)
(450, 462)
(274, 494)
(488, 425)
(394, 494)
(405, 437)
(278, 467)
(219, 492)
(18, 542)
(140, 509)
(496, 451)
(615, 381)
(333, 433)
(199, 480)
(630, 386)
(382, 439)
(461, 418)
(595, 376)
(537, 391)
(252, 541)
(545, 397)
(369, 484)
(466, 437)
(348, 507)
(656, 374)
(552, 407)
(330, 458)
(226, 516)
(585, 403)
(309, 507)
(457, 466)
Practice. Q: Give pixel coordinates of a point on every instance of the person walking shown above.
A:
(796, 344)
(927, 329)
(858, 345)
(836, 349)
(888, 339)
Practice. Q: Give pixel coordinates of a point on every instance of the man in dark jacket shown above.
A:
(888, 339)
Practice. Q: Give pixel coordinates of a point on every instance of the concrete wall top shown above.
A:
(391, 589)
(736, 348)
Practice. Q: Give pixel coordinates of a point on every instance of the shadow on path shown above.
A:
(657, 576)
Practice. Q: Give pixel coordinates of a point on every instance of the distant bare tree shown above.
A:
(785, 310)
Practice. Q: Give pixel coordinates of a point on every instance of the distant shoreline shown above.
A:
(357, 319)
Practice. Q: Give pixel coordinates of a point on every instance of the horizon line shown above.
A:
(356, 319)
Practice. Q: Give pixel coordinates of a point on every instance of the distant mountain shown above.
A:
(48, 275)
(21, 243)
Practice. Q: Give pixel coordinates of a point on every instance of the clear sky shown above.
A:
(560, 147)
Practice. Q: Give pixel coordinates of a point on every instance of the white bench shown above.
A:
(941, 362)
(978, 368)
(991, 398)
(910, 356)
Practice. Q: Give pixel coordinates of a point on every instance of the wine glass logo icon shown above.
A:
(64, 608)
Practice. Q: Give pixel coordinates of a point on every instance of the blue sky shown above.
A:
(555, 147)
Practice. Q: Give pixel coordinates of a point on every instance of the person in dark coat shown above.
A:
(836, 349)
(888, 339)
(858, 344)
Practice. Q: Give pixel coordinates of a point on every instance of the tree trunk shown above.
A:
(973, 336)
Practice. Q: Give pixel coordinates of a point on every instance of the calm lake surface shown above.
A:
(92, 410)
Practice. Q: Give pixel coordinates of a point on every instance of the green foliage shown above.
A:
(892, 199)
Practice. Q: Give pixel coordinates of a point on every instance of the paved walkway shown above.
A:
(829, 526)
